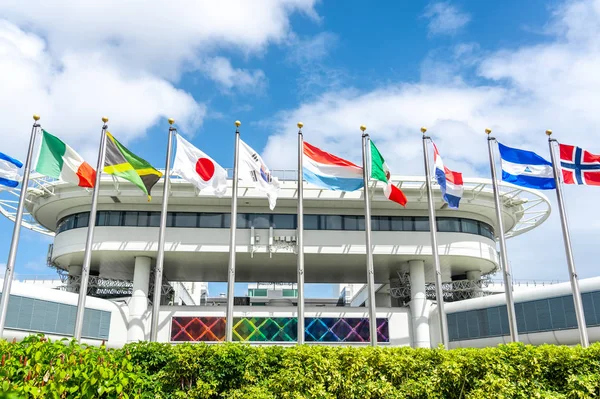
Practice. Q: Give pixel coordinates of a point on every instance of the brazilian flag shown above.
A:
(121, 162)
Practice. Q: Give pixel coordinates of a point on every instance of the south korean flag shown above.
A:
(251, 166)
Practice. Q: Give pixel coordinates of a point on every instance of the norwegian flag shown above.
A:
(579, 166)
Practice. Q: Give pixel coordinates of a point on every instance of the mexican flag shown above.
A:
(380, 171)
(60, 161)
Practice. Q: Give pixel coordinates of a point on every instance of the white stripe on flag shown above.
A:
(518, 169)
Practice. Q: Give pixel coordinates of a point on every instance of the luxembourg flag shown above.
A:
(451, 183)
(330, 172)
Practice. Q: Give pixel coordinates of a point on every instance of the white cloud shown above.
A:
(73, 62)
(527, 90)
(220, 70)
(445, 19)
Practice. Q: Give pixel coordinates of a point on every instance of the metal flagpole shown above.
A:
(434, 246)
(369, 248)
(14, 244)
(508, 291)
(160, 258)
(300, 238)
(231, 271)
(87, 257)
(581, 324)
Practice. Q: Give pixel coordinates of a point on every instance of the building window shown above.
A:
(277, 221)
(547, 314)
(37, 315)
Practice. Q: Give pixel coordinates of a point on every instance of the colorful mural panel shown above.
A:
(276, 329)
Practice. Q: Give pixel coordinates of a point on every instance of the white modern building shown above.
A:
(197, 250)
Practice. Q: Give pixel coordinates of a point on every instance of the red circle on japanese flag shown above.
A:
(205, 168)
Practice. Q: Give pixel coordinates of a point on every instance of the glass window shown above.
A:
(420, 223)
(242, 221)
(542, 308)
(569, 307)
(186, 219)
(130, 219)
(114, 218)
(531, 321)
(290, 293)
(284, 221)
(226, 220)
(352, 223)
(260, 221)
(143, 219)
(211, 220)
(596, 300)
(102, 218)
(452, 327)
(469, 226)
(557, 312)
(381, 223)
(257, 292)
(332, 222)
(482, 317)
(493, 316)
(311, 222)
(154, 220)
(82, 220)
(450, 225)
(473, 324)
(588, 308)
(461, 320)
(397, 223)
(170, 219)
(486, 230)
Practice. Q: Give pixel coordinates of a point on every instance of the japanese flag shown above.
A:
(199, 169)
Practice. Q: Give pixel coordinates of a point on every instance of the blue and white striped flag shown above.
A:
(526, 169)
(9, 170)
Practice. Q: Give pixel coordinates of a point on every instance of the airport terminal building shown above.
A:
(119, 299)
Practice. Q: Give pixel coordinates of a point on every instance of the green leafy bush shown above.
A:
(40, 368)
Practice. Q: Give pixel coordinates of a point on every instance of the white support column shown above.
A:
(419, 305)
(138, 304)
(475, 276)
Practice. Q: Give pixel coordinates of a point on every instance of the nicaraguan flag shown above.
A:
(9, 170)
(526, 169)
(451, 183)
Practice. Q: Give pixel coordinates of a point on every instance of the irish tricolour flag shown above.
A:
(60, 161)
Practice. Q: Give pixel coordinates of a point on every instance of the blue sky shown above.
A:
(455, 67)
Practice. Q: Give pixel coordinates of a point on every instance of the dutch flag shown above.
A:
(451, 183)
(329, 171)
(9, 171)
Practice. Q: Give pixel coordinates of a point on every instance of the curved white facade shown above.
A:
(333, 254)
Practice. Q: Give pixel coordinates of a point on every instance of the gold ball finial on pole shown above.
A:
(488, 131)
(171, 121)
(423, 130)
(548, 132)
(36, 117)
(363, 128)
(104, 119)
(300, 125)
(237, 123)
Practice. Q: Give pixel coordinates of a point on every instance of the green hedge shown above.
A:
(42, 369)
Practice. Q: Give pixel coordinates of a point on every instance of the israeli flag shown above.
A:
(9, 171)
(526, 169)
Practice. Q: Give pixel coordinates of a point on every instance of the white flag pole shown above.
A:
(508, 288)
(581, 324)
(232, 246)
(87, 257)
(439, 293)
(14, 244)
(300, 238)
(160, 258)
(369, 248)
